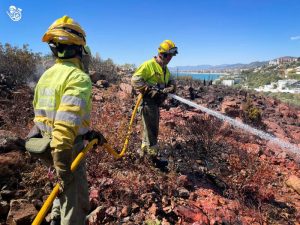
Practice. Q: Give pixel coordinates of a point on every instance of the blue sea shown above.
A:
(199, 76)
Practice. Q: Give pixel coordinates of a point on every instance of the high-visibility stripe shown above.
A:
(63, 116)
(46, 91)
(45, 113)
(43, 127)
(68, 117)
(73, 100)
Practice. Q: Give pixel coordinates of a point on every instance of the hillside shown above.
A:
(217, 174)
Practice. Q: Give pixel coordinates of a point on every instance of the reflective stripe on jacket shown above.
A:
(150, 73)
(62, 102)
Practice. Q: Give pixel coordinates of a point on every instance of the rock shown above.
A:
(183, 193)
(37, 203)
(127, 88)
(230, 107)
(21, 212)
(7, 194)
(94, 198)
(96, 216)
(135, 207)
(126, 219)
(95, 76)
(165, 200)
(191, 214)
(183, 181)
(125, 211)
(94, 194)
(275, 128)
(294, 132)
(98, 98)
(10, 141)
(153, 209)
(4, 208)
(11, 163)
(102, 83)
(282, 155)
(294, 182)
(111, 211)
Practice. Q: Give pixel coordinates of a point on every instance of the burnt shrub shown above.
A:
(17, 65)
(103, 69)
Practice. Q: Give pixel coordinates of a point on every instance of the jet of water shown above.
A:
(286, 145)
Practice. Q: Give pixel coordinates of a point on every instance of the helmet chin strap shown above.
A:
(162, 59)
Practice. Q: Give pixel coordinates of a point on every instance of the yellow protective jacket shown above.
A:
(62, 103)
(150, 73)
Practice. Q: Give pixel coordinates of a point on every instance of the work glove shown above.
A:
(92, 134)
(152, 92)
(170, 89)
(62, 160)
(64, 178)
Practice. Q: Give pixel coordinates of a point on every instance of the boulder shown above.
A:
(294, 182)
(95, 76)
(10, 163)
(4, 208)
(191, 214)
(126, 88)
(10, 141)
(102, 83)
(230, 108)
(21, 212)
(97, 215)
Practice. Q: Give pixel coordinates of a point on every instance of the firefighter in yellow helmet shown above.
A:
(153, 80)
(62, 105)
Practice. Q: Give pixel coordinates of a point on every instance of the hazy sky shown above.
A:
(129, 31)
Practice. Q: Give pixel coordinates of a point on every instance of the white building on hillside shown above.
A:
(228, 82)
(287, 86)
(281, 60)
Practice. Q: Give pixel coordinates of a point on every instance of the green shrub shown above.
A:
(260, 79)
(250, 113)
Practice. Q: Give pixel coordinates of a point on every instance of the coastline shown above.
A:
(199, 73)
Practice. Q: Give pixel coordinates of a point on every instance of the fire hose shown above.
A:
(46, 206)
(286, 145)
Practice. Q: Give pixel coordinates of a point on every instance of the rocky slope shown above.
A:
(217, 174)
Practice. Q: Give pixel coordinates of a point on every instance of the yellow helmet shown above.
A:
(167, 47)
(65, 31)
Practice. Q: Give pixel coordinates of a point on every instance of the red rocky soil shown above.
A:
(217, 174)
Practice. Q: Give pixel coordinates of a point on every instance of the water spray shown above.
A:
(292, 148)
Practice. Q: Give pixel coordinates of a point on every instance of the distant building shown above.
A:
(295, 86)
(281, 60)
(282, 84)
(287, 86)
(228, 82)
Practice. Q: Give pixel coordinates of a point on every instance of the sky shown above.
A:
(129, 31)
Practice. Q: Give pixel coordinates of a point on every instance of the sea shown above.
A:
(198, 76)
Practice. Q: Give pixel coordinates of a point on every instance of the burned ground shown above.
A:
(217, 174)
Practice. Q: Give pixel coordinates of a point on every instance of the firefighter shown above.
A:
(62, 105)
(153, 80)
